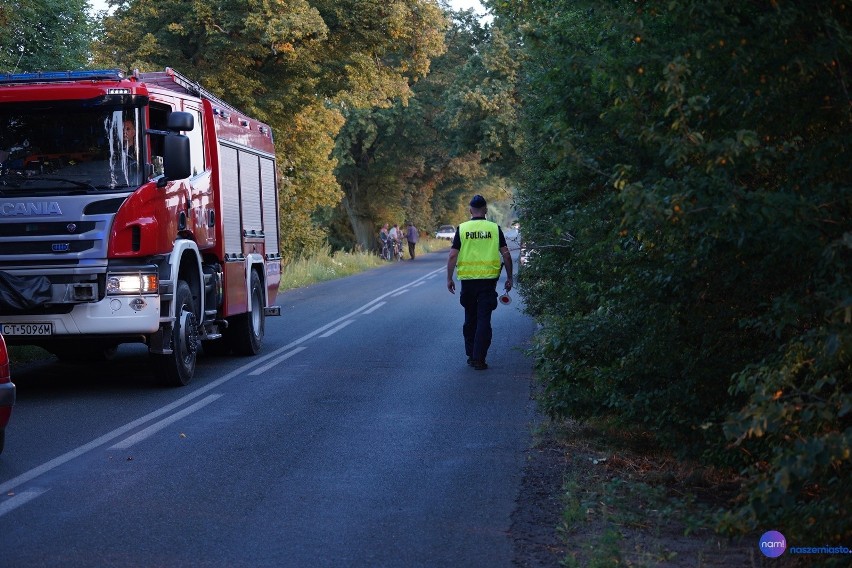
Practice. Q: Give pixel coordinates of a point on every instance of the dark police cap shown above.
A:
(477, 202)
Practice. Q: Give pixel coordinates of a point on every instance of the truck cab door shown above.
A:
(201, 221)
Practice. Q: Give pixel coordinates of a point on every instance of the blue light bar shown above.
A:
(51, 76)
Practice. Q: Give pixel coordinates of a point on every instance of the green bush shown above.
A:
(798, 423)
(687, 185)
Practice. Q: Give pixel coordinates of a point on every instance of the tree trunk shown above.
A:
(362, 226)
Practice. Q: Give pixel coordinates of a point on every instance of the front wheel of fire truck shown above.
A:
(177, 368)
(245, 333)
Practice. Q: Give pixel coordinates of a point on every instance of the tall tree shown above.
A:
(481, 106)
(456, 135)
(292, 63)
(40, 35)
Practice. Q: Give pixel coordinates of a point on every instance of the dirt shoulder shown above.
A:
(583, 503)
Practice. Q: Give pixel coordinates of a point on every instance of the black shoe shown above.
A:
(470, 361)
(479, 365)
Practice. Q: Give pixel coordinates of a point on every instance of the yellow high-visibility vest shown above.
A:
(479, 256)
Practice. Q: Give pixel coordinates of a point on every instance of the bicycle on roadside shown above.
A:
(397, 249)
(386, 252)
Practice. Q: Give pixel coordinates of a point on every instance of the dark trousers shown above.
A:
(479, 299)
(411, 249)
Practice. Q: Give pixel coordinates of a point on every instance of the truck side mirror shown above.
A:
(180, 121)
(176, 158)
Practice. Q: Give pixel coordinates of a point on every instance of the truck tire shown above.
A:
(245, 332)
(177, 368)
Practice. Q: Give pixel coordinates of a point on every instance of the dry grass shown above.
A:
(323, 264)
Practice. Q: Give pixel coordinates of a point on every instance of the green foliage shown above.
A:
(422, 158)
(481, 104)
(799, 421)
(373, 124)
(44, 35)
(308, 184)
(686, 186)
(298, 65)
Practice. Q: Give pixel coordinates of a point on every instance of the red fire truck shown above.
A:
(134, 209)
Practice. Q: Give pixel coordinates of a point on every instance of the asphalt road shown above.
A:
(359, 437)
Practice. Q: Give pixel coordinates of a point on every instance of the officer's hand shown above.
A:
(451, 285)
(508, 284)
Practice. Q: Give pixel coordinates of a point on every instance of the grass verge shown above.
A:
(323, 264)
(623, 503)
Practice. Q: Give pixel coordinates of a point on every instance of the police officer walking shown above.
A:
(478, 247)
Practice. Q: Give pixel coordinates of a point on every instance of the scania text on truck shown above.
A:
(135, 209)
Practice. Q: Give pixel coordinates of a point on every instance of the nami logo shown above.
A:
(29, 208)
(773, 544)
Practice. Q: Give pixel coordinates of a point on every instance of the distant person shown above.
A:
(383, 239)
(396, 240)
(478, 247)
(129, 164)
(411, 235)
(130, 138)
(129, 132)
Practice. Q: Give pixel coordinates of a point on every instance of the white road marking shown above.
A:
(106, 438)
(157, 426)
(10, 484)
(20, 499)
(374, 308)
(276, 361)
(331, 332)
(329, 325)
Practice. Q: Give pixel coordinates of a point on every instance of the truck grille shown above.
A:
(45, 247)
(43, 229)
(73, 235)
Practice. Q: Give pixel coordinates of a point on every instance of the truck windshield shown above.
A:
(62, 150)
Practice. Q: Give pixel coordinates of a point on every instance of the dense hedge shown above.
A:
(687, 189)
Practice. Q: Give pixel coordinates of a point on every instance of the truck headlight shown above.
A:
(132, 283)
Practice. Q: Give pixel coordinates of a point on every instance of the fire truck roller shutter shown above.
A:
(269, 192)
(230, 188)
(252, 218)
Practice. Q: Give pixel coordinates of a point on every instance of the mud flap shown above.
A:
(160, 342)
